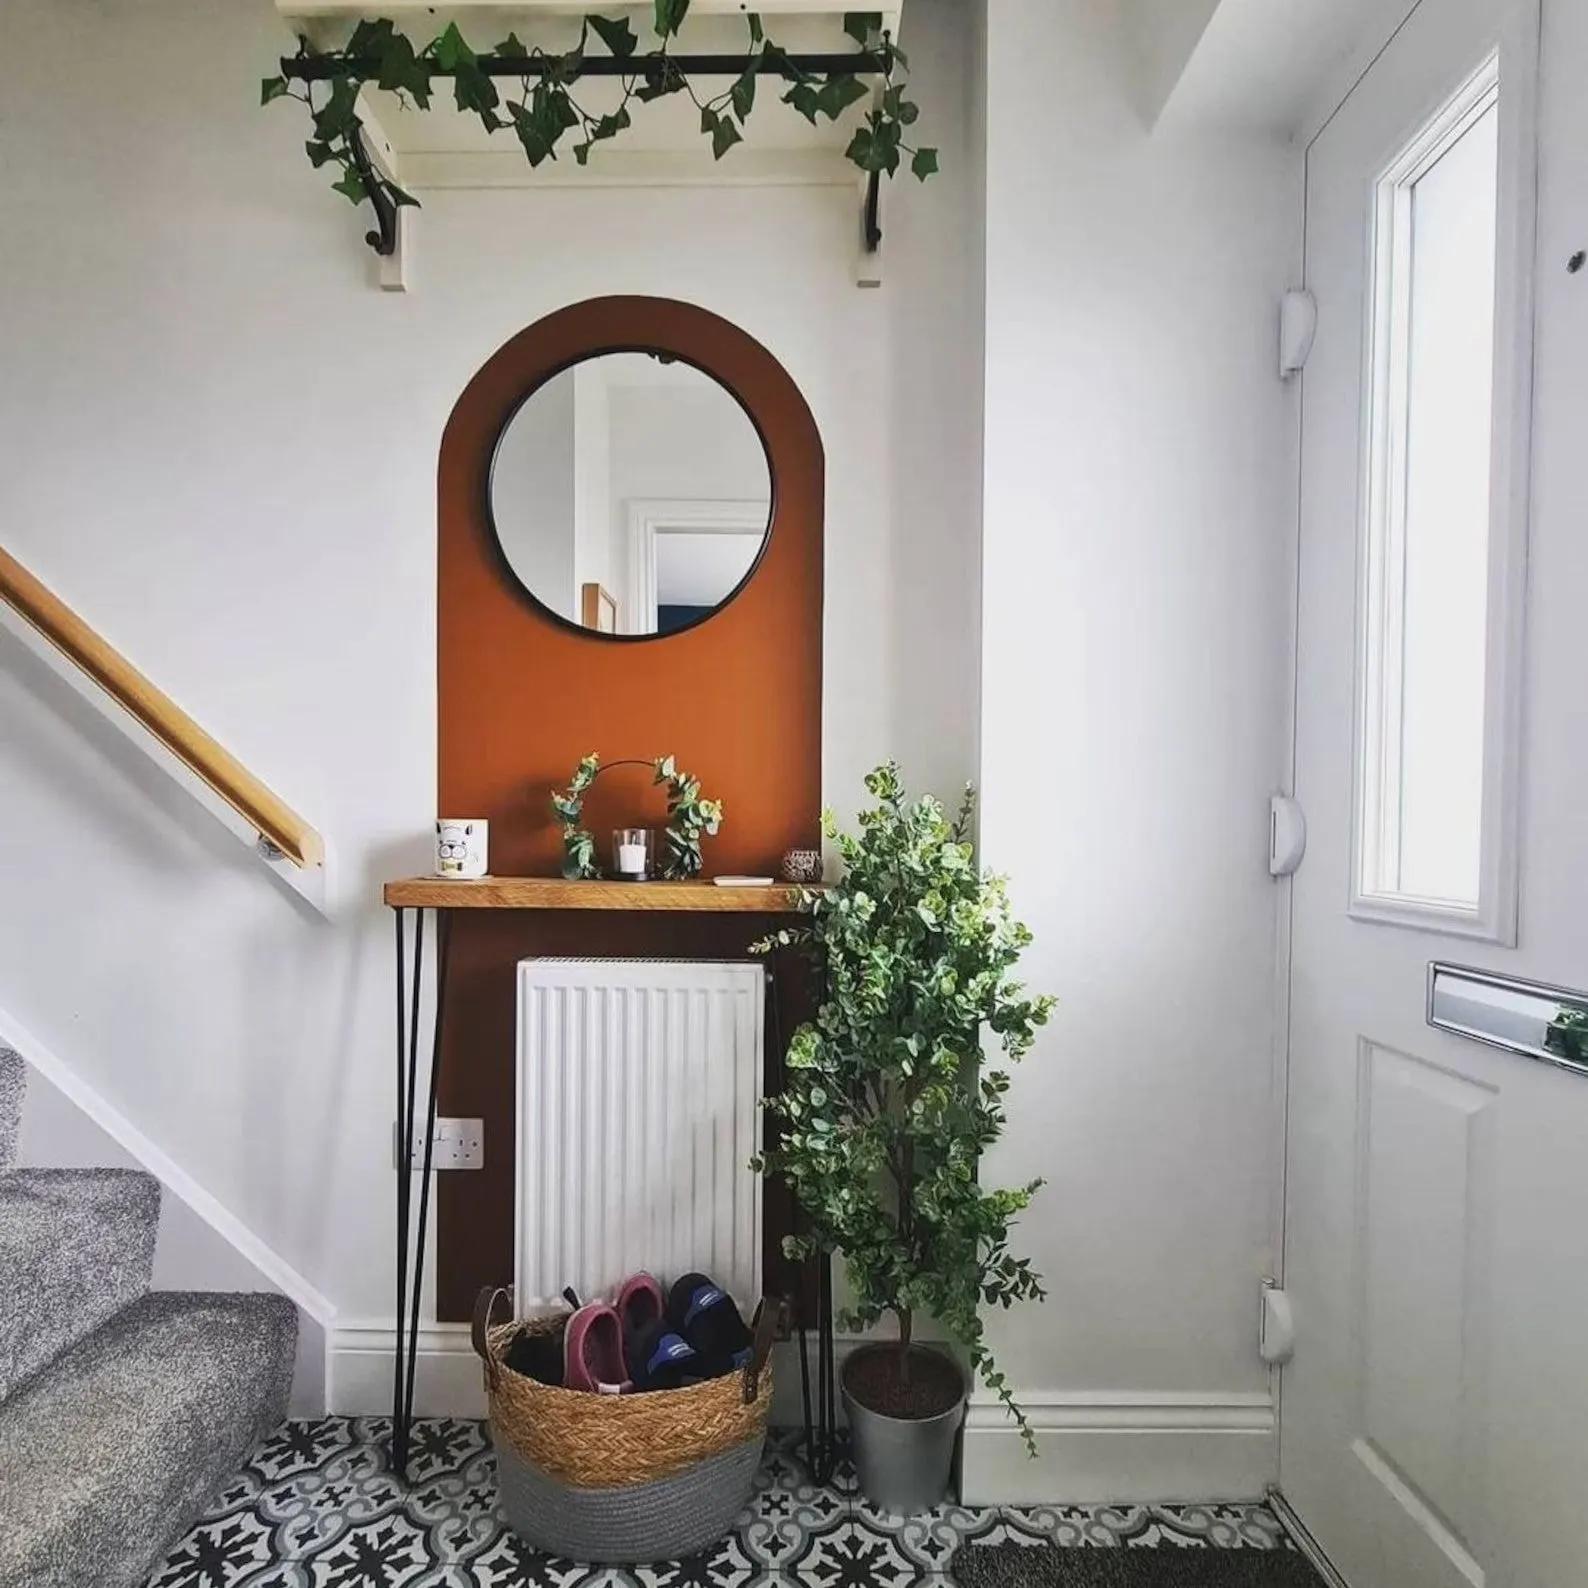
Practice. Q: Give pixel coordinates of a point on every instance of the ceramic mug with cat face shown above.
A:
(461, 849)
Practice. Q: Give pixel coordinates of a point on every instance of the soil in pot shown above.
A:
(877, 1381)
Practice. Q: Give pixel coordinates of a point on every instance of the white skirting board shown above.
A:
(1092, 1448)
(448, 1378)
(1095, 1448)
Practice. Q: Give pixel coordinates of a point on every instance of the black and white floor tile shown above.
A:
(317, 1507)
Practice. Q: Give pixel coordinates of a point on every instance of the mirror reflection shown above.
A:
(631, 495)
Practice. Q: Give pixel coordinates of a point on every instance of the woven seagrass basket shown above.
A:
(622, 1479)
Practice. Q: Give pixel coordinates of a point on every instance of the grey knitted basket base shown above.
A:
(643, 1522)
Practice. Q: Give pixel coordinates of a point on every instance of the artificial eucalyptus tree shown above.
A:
(892, 1097)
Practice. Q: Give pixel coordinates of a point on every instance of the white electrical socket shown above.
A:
(458, 1144)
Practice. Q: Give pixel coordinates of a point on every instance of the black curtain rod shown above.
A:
(322, 69)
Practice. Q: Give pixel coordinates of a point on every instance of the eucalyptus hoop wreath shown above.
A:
(689, 818)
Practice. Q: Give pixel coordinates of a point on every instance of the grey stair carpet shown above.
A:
(108, 1454)
(1028, 1566)
(76, 1246)
(13, 1079)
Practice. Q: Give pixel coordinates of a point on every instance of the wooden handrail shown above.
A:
(211, 762)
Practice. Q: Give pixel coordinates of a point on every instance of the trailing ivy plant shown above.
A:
(544, 110)
(689, 818)
(890, 1102)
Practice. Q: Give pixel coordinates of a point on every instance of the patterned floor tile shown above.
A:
(852, 1555)
(317, 1506)
(224, 1553)
(389, 1553)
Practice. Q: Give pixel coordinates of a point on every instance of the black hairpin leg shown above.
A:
(821, 1432)
(411, 1242)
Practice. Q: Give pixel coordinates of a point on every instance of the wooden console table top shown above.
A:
(556, 893)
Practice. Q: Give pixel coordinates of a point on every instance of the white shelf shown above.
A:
(443, 148)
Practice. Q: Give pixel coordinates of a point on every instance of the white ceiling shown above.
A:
(1276, 66)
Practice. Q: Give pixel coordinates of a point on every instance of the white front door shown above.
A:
(1434, 1419)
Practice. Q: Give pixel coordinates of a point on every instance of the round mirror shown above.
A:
(631, 495)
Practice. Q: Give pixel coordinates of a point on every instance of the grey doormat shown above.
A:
(1027, 1566)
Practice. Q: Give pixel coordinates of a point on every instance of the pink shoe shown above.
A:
(640, 1303)
(593, 1352)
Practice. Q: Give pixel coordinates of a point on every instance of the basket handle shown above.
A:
(484, 1317)
(768, 1320)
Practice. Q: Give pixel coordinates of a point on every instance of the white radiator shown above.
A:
(639, 1091)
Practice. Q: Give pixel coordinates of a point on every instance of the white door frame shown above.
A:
(649, 517)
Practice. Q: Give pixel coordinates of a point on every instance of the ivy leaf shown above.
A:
(452, 50)
(901, 109)
(272, 88)
(473, 90)
(512, 48)
(618, 36)
(372, 37)
(863, 26)
(351, 185)
(401, 71)
(925, 163)
(401, 197)
(838, 94)
(724, 133)
(338, 116)
(777, 60)
(743, 95)
(537, 147)
(806, 99)
(862, 150)
(320, 152)
(553, 110)
(661, 79)
(670, 16)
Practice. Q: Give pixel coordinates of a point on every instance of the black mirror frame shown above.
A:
(607, 350)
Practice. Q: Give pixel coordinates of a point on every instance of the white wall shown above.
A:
(535, 489)
(692, 442)
(597, 556)
(1137, 497)
(218, 442)
(914, 620)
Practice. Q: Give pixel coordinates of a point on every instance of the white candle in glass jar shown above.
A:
(631, 859)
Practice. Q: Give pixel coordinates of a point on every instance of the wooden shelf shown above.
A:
(555, 893)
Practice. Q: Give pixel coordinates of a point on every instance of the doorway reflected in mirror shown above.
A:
(630, 495)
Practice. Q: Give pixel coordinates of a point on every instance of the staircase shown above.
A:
(122, 1411)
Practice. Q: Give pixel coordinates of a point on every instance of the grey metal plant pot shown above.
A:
(904, 1465)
